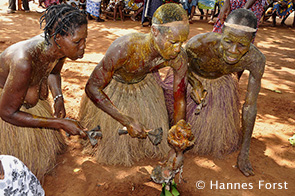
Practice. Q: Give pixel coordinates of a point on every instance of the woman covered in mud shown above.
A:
(121, 91)
(213, 102)
(28, 69)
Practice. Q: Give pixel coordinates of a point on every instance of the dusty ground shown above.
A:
(271, 154)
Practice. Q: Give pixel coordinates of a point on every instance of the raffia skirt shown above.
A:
(35, 147)
(217, 126)
(143, 101)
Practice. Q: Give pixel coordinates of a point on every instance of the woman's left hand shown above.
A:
(59, 108)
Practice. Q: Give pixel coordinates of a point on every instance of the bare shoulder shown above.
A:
(202, 39)
(126, 45)
(19, 56)
(129, 40)
(257, 61)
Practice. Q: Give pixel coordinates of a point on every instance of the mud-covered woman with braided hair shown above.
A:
(28, 69)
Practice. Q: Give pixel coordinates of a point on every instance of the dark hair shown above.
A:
(169, 12)
(61, 19)
(243, 17)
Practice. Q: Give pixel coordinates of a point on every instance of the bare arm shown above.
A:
(249, 4)
(225, 10)
(99, 79)
(54, 81)
(16, 86)
(248, 118)
(179, 86)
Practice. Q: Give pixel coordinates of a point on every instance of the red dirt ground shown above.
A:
(271, 154)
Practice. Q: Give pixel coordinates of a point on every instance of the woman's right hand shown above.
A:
(136, 129)
(73, 127)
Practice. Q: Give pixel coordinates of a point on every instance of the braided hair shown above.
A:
(61, 19)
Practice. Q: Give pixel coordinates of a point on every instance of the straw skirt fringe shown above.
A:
(143, 101)
(217, 126)
(36, 147)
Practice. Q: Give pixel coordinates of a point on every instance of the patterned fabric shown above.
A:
(51, 2)
(283, 11)
(18, 179)
(132, 5)
(93, 7)
(257, 8)
(219, 3)
(206, 4)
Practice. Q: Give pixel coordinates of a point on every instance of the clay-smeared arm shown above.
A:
(249, 112)
(99, 79)
(179, 86)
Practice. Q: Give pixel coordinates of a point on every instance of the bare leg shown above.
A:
(133, 17)
(115, 13)
(192, 14)
(212, 14)
(1, 171)
(274, 15)
(121, 13)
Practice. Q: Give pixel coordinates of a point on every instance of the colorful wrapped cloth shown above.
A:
(217, 127)
(219, 3)
(257, 8)
(18, 179)
(36, 147)
(283, 11)
(48, 3)
(206, 4)
(93, 7)
(143, 101)
(132, 5)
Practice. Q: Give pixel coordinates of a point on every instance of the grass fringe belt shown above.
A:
(217, 127)
(35, 147)
(143, 101)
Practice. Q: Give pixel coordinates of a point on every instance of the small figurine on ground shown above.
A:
(180, 139)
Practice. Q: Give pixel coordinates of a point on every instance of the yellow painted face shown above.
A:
(234, 44)
(168, 43)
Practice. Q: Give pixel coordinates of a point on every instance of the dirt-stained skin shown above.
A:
(213, 55)
(131, 57)
(28, 68)
(180, 138)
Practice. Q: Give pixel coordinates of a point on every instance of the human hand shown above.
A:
(73, 127)
(136, 129)
(59, 108)
(244, 165)
(180, 136)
